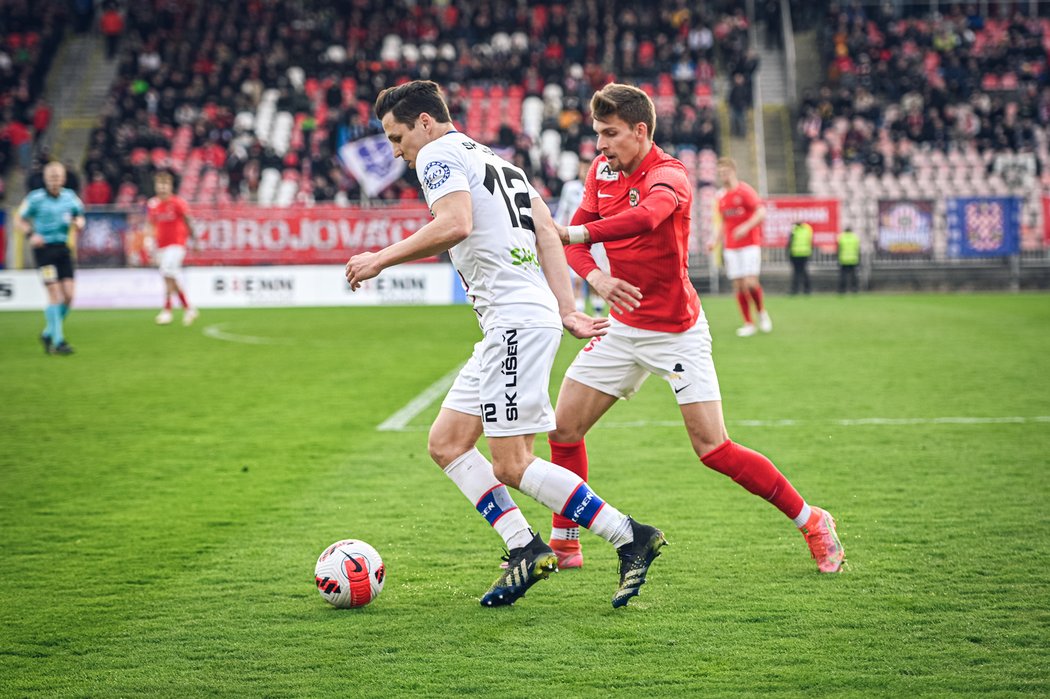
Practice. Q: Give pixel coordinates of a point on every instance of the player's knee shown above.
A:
(508, 471)
(444, 450)
(566, 434)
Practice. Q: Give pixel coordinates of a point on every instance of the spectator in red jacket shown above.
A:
(41, 120)
(98, 190)
(112, 26)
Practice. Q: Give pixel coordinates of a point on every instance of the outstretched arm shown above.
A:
(453, 220)
(636, 221)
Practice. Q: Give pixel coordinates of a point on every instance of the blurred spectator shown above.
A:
(41, 120)
(17, 134)
(112, 25)
(83, 15)
(739, 103)
(98, 190)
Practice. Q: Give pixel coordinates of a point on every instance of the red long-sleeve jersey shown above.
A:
(644, 222)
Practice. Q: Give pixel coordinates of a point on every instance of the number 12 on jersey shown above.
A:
(514, 189)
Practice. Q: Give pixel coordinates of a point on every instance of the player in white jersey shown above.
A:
(503, 242)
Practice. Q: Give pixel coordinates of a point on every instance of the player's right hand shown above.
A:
(36, 240)
(583, 326)
(621, 296)
(362, 267)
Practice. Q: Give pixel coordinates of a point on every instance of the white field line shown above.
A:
(859, 422)
(216, 332)
(398, 422)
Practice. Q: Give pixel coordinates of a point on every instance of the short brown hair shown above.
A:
(726, 162)
(626, 102)
(410, 100)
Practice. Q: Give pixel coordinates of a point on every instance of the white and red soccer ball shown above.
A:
(349, 573)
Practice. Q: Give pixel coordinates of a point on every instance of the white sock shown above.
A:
(567, 494)
(472, 474)
(803, 516)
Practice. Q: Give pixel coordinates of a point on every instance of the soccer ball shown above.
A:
(349, 573)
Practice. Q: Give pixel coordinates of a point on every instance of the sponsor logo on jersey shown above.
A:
(523, 256)
(634, 196)
(435, 174)
(607, 173)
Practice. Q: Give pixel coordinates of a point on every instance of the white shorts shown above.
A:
(620, 362)
(743, 262)
(506, 382)
(169, 259)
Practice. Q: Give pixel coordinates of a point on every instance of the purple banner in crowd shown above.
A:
(101, 243)
(983, 226)
(905, 227)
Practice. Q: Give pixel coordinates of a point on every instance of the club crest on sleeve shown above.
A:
(634, 196)
(435, 174)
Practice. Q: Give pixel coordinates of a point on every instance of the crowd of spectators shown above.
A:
(897, 86)
(193, 78)
(30, 33)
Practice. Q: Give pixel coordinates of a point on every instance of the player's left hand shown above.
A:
(583, 326)
(361, 268)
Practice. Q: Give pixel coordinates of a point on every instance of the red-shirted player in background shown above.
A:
(742, 213)
(638, 201)
(170, 227)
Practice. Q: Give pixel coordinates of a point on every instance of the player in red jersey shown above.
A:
(169, 228)
(742, 213)
(638, 201)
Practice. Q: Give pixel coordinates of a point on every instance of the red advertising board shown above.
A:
(249, 235)
(783, 212)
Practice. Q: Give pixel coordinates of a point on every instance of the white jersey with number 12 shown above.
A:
(497, 261)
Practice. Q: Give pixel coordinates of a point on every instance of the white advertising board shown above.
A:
(240, 287)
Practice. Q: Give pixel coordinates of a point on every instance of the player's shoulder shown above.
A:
(746, 189)
(36, 195)
(153, 202)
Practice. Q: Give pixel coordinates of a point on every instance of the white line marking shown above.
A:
(216, 332)
(398, 421)
(858, 422)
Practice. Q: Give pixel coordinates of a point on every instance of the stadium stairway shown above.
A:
(778, 141)
(77, 86)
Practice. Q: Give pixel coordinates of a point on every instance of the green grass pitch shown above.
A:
(167, 490)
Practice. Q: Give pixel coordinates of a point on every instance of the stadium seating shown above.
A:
(918, 92)
(259, 87)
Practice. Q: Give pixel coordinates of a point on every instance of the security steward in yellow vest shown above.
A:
(849, 260)
(800, 248)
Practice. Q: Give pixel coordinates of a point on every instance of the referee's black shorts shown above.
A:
(55, 262)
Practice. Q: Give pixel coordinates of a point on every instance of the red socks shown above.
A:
(756, 294)
(745, 305)
(756, 474)
(572, 457)
(182, 299)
